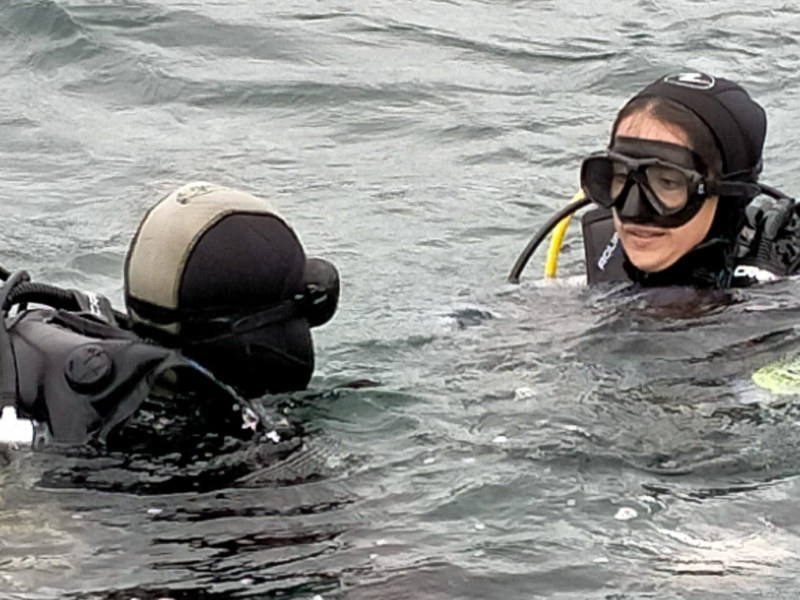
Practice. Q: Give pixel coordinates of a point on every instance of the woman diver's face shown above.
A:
(651, 248)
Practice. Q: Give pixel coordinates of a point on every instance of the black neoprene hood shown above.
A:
(739, 124)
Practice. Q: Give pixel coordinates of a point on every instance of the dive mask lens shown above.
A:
(607, 177)
(671, 187)
(597, 173)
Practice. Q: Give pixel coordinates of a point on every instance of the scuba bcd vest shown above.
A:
(602, 248)
(74, 370)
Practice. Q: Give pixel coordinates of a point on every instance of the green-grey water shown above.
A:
(519, 441)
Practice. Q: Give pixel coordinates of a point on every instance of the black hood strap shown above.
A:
(213, 330)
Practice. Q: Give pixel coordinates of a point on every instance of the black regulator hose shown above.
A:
(23, 292)
(540, 236)
(42, 293)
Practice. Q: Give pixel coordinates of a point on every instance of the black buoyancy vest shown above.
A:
(79, 375)
(605, 259)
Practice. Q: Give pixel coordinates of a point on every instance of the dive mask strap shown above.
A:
(731, 189)
(304, 304)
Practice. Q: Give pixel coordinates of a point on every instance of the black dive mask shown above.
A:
(653, 183)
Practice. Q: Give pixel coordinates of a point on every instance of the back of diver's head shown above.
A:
(220, 274)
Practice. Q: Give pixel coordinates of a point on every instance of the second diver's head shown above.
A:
(220, 274)
(677, 169)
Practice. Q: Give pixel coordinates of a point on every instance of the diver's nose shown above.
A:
(635, 207)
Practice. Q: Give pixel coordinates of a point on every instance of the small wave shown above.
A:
(503, 156)
(192, 31)
(152, 86)
(458, 134)
(45, 34)
(38, 19)
(569, 51)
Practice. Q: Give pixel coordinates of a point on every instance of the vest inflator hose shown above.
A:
(579, 202)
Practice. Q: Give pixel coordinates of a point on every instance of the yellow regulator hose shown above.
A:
(556, 240)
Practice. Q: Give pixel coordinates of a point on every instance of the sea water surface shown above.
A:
(515, 442)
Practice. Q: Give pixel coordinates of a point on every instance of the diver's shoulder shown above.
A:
(769, 244)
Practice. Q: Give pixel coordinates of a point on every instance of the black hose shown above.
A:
(41, 293)
(773, 192)
(540, 236)
(27, 292)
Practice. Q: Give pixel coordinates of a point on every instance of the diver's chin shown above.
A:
(648, 248)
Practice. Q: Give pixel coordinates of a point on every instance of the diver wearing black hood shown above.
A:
(221, 301)
(655, 189)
